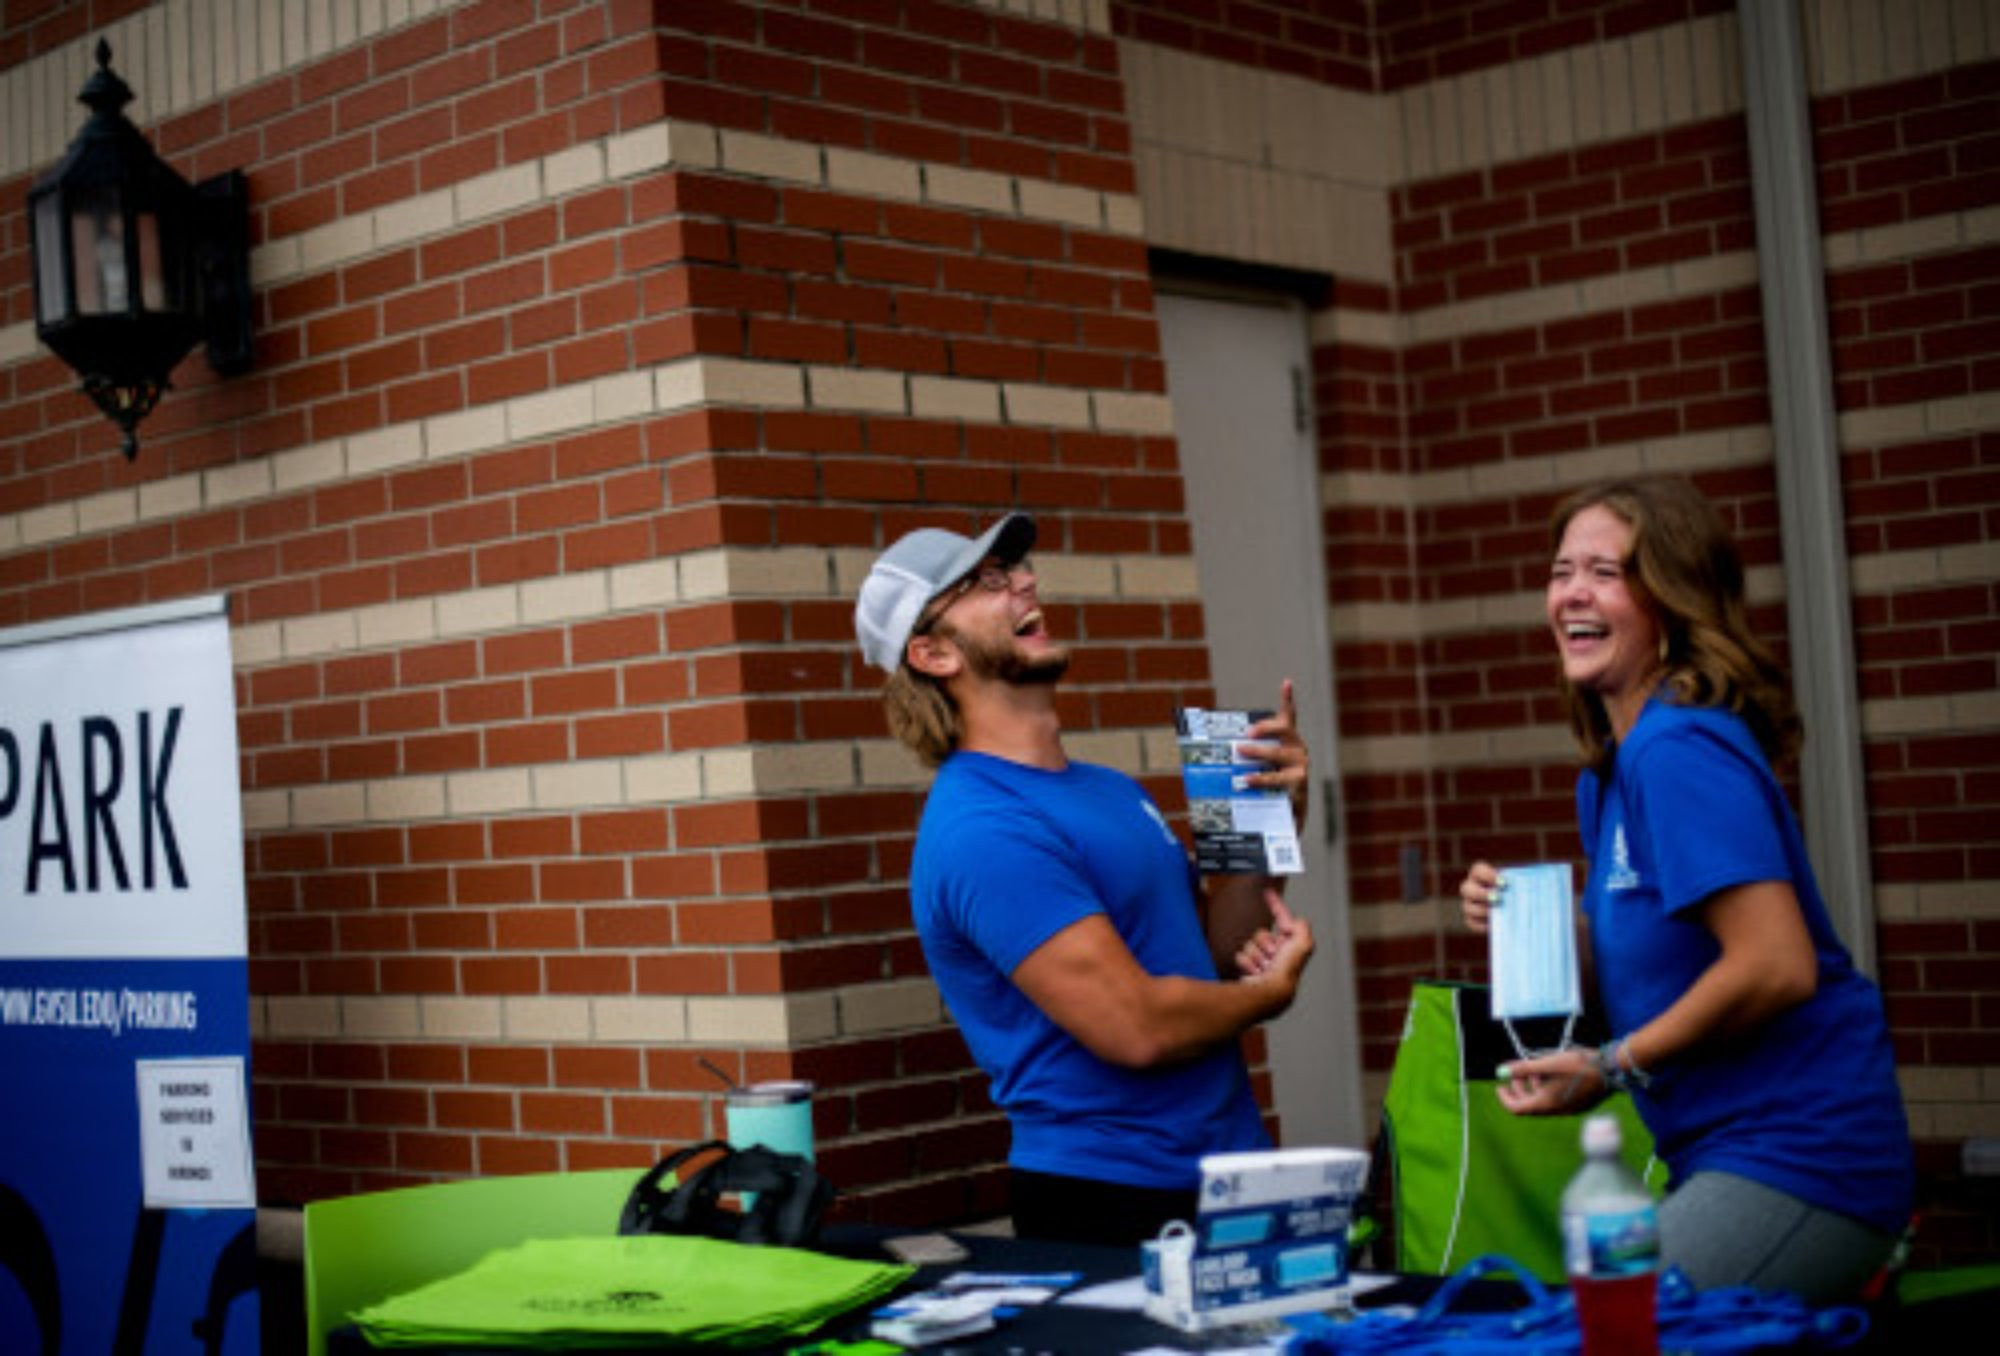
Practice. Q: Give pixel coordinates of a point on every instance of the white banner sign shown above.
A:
(121, 830)
(127, 1181)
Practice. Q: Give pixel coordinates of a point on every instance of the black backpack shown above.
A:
(791, 1197)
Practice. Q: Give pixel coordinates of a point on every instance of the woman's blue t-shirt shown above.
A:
(1807, 1103)
(1007, 856)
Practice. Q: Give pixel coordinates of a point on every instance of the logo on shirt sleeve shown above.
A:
(1153, 813)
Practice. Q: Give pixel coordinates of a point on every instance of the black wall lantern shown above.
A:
(133, 266)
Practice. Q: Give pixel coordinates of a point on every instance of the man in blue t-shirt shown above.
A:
(1062, 919)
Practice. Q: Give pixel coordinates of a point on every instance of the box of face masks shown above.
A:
(1270, 1238)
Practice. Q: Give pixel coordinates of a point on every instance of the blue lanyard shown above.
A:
(1708, 1322)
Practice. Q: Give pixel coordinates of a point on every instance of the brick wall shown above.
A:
(1591, 308)
(1907, 175)
(1423, 43)
(1570, 291)
(600, 346)
(1330, 43)
(1355, 45)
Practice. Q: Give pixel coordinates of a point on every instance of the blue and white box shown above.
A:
(1270, 1238)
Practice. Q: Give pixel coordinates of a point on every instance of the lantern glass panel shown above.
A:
(155, 290)
(52, 297)
(97, 239)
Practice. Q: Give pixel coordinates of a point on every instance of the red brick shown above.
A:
(522, 652)
(603, 547)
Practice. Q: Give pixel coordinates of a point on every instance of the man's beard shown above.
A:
(1007, 662)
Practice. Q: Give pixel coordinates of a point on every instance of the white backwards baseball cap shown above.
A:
(920, 566)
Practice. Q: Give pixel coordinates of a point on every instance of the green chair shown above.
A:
(1932, 1309)
(1926, 1286)
(1466, 1176)
(361, 1249)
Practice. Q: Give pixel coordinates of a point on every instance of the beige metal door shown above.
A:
(1237, 376)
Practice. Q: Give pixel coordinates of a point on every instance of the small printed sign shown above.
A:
(194, 1134)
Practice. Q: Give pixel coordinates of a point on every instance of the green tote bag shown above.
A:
(1468, 1176)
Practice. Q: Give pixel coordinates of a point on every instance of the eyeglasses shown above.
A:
(991, 576)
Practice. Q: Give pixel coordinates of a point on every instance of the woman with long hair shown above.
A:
(1755, 1052)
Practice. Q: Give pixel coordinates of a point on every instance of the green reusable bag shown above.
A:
(572, 1293)
(1469, 1176)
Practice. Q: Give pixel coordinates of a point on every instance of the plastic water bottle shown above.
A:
(1611, 1247)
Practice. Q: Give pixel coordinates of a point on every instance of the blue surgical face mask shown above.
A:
(1532, 944)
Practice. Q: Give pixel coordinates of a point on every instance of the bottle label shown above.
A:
(1619, 1243)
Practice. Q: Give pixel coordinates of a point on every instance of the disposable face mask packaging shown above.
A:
(1270, 1238)
(1532, 944)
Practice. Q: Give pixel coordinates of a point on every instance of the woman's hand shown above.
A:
(1477, 894)
(1561, 1084)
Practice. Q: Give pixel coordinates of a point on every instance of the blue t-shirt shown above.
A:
(1807, 1103)
(1009, 855)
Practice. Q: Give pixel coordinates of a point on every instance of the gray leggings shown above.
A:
(1722, 1229)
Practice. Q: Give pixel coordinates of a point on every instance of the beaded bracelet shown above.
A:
(1620, 1070)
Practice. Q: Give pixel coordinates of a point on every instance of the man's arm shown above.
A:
(1232, 912)
(1087, 981)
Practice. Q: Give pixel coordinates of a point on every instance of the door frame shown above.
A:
(1315, 1049)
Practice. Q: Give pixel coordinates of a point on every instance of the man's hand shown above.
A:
(1278, 953)
(1278, 742)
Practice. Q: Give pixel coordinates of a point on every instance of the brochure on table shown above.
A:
(1239, 829)
(127, 1199)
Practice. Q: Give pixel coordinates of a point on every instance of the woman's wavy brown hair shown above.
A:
(1685, 570)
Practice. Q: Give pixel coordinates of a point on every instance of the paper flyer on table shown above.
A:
(1239, 829)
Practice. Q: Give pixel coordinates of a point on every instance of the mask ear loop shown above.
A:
(1569, 1029)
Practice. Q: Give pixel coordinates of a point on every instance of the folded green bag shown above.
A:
(567, 1293)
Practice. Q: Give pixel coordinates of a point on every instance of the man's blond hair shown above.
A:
(921, 714)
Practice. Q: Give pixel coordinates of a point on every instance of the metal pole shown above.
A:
(1811, 519)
